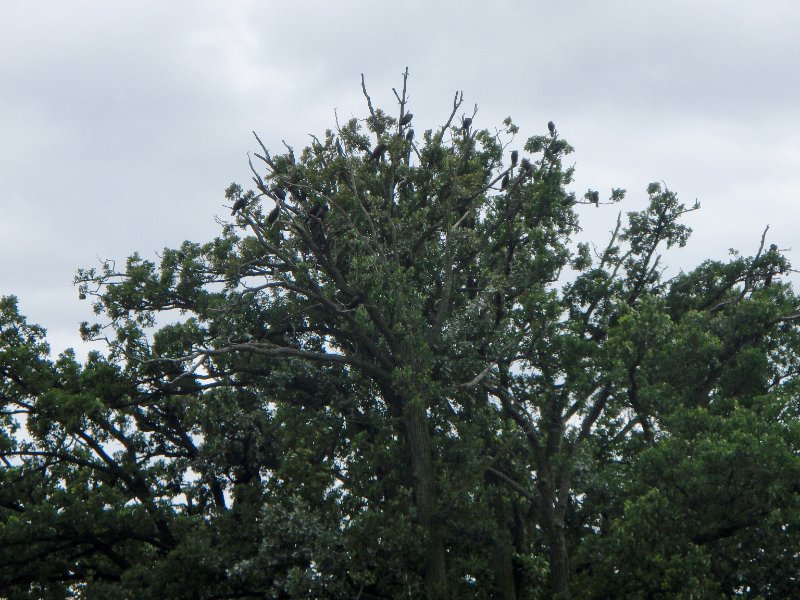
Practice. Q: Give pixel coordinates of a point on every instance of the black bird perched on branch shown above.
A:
(595, 197)
(406, 119)
(318, 211)
(514, 157)
(465, 123)
(273, 215)
(238, 205)
(773, 249)
(378, 152)
(527, 167)
(279, 193)
(355, 302)
(315, 215)
(410, 135)
(551, 127)
(504, 183)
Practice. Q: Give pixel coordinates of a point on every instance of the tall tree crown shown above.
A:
(397, 373)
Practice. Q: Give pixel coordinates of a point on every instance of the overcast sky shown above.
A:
(121, 123)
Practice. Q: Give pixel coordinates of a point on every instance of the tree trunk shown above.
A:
(559, 561)
(425, 491)
(553, 524)
(502, 552)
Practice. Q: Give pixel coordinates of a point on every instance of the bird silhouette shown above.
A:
(355, 302)
(504, 183)
(238, 205)
(318, 211)
(378, 152)
(551, 127)
(273, 215)
(406, 119)
(466, 122)
(514, 157)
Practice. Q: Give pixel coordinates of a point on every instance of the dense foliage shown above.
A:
(396, 374)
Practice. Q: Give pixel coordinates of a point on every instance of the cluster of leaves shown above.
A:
(396, 374)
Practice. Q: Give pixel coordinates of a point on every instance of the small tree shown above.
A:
(400, 376)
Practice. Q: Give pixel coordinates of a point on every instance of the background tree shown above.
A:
(398, 375)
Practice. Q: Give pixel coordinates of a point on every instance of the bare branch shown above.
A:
(512, 484)
(266, 158)
(751, 270)
(369, 100)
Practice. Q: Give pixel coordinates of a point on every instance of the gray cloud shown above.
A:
(122, 123)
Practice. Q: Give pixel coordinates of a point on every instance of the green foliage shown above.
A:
(396, 374)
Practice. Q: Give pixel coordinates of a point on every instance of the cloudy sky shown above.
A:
(121, 123)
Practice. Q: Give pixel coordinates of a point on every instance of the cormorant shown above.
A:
(527, 166)
(355, 302)
(504, 183)
(273, 215)
(238, 205)
(315, 216)
(406, 119)
(378, 152)
(466, 122)
(773, 249)
(410, 135)
(318, 211)
(514, 157)
(551, 127)
(280, 194)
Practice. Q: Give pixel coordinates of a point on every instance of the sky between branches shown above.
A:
(121, 123)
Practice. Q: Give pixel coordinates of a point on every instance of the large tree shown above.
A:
(397, 374)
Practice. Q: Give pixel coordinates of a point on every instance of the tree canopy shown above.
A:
(396, 373)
